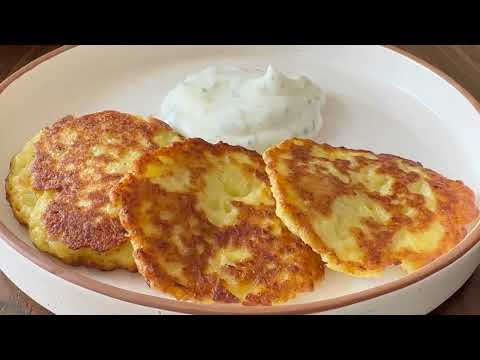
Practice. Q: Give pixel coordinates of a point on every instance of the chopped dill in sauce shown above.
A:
(254, 109)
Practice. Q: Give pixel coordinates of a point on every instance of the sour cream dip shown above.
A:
(251, 108)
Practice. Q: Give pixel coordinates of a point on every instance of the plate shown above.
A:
(378, 98)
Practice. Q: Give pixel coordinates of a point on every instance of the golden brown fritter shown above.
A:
(201, 219)
(59, 184)
(363, 212)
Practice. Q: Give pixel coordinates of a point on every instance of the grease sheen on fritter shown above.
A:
(363, 212)
(201, 219)
(59, 183)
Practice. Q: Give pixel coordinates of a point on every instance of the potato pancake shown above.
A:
(363, 212)
(58, 185)
(201, 219)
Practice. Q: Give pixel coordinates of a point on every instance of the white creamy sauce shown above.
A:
(253, 109)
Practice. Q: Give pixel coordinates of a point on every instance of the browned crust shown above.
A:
(194, 147)
(63, 272)
(69, 261)
(79, 227)
(64, 221)
(268, 250)
(455, 204)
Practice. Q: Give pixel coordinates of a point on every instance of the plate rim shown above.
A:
(68, 273)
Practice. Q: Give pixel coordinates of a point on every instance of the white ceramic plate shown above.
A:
(378, 99)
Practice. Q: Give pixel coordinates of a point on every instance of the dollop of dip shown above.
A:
(254, 109)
